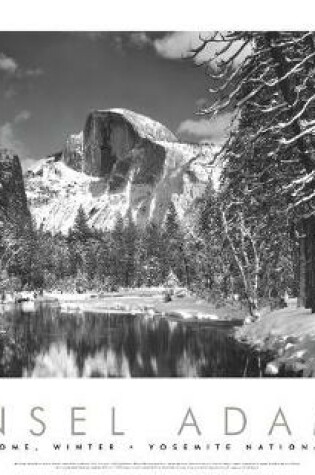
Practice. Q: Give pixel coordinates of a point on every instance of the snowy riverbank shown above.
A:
(288, 335)
(150, 301)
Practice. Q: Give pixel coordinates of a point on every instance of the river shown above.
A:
(49, 342)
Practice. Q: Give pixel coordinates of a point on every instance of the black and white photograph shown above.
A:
(157, 237)
(157, 204)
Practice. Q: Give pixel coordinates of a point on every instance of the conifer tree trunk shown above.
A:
(302, 267)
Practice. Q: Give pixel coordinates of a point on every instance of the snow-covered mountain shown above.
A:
(122, 162)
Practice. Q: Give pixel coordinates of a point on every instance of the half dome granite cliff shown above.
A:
(123, 162)
(117, 141)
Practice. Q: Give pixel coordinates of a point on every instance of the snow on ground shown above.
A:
(289, 321)
(150, 301)
(287, 334)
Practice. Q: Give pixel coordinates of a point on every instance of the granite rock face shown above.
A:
(13, 201)
(122, 163)
(117, 141)
(73, 151)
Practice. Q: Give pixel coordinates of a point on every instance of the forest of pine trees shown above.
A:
(90, 259)
(86, 259)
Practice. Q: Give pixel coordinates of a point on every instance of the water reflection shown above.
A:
(52, 343)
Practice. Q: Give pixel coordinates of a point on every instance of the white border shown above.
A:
(156, 15)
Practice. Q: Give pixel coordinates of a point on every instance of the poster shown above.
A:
(156, 240)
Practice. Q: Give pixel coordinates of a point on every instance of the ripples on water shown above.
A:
(51, 343)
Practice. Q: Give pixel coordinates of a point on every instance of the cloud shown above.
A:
(180, 44)
(33, 72)
(22, 116)
(8, 134)
(214, 130)
(9, 140)
(123, 41)
(139, 39)
(10, 66)
(176, 45)
(7, 64)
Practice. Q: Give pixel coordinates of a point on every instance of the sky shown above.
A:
(50, 81)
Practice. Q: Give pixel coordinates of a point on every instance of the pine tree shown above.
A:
(118, 253)
(81, 230)
(26, 259)
(274, 79)
(269, 158)
(78, 242)
(130, 250)
(104, 258)
(209, 253)
(153, 267)
(174, 244)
